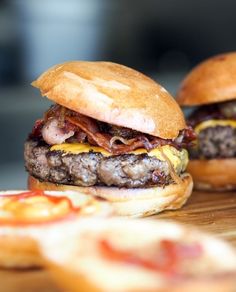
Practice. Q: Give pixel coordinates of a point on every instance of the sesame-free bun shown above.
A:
(212, 81)
(114, 94)
(137, 202)
(77, 263)
(213, 174)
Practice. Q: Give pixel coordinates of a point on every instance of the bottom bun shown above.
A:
(214, 174)
(131, 202)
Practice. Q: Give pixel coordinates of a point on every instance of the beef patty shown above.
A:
(89, 169)
(215, 142)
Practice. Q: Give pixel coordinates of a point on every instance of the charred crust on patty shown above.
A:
(92, 168)
(214, 142)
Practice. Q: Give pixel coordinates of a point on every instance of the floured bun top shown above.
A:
(212, 81)
(114, 94)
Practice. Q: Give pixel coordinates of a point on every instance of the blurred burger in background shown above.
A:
(211, 89)
(112, 132)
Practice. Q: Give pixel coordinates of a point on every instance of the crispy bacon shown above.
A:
(121, 139)
(140, 141)
(217, 111)
(52, 112)
(203, 113)
(91, 129)
(52, 133)
(80, 137)
(188, 137)
(121, 148)
(107, 136)
(37, 129)
(61, 118)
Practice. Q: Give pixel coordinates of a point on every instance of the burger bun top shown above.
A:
(114, 94)
(212, 81)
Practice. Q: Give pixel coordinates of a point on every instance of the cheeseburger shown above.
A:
(112, 132)
(211, 89)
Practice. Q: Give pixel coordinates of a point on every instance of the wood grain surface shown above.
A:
(212, 212)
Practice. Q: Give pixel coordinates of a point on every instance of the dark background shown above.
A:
(162, 38)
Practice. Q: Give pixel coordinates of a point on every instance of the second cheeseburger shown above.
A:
(211, 89)
(114, 133)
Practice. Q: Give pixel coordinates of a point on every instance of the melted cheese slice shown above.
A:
(35, 208)
(179, 159)
(214, 123)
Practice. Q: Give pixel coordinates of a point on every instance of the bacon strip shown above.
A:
(37, 129)
(86, 128)
(103, 140)
(91, 129)
(121, 139)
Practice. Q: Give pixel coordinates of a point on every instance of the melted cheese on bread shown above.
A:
(37, 208)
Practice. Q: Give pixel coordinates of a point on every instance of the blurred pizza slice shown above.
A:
(26, 216)
(139, 255)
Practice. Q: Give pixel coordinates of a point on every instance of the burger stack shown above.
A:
(113, 133)
(210, 89)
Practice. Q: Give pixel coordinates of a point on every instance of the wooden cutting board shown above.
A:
(212, 212)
